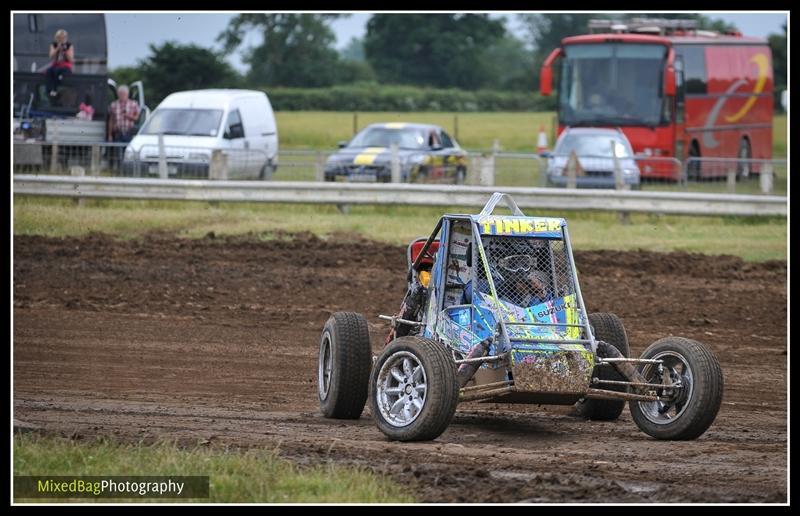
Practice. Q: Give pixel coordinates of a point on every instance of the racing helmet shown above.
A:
(511, 259)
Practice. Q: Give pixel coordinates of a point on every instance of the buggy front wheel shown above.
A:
(691, 402)
(413, 389)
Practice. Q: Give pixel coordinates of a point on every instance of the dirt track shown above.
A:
(217, 339)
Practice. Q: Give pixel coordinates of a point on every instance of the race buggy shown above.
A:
(494, 312)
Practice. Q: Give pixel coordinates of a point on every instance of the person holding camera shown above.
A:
(62, 52)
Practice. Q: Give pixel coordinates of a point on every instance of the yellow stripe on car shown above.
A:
(395, 125)
(368, 156)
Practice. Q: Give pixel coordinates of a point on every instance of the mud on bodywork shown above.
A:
(552, 368)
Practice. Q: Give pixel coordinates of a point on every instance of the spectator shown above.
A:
(62, 52)
(123, 114)
(86, 110)
(433, 140)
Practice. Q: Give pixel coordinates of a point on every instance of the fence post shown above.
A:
(218, 166)
(683, 172)
(54, 151)
(319, 167)
(355, 123)
(162, 158)
(487, 166)
(78, 171)
(541, 164)
(473, 173)
(138, 166)
(395, 164)
(731, 180)
(94, 168)
(765, 179)
(490, 165)
(619, 182)
(572, 171)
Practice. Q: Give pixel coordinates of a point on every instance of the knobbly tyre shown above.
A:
(494, 312)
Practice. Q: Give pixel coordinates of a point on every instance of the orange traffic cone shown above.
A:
(541, 143)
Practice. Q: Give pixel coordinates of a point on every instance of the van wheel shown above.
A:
(267, 170)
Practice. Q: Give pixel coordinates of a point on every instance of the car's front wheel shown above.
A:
(422, 174)
(690, 403)
(461, 175)
(413, 389)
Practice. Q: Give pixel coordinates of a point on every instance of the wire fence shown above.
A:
(152, 161)
(483, 168)
(736, 175)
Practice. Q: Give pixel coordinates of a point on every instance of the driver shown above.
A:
(518, 280)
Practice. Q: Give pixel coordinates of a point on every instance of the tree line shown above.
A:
(439, 52)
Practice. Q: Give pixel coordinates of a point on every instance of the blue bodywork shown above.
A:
(547, 331)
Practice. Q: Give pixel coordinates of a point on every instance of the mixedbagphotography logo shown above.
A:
(111, 487)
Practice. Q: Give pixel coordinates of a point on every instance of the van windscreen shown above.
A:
(185, 122)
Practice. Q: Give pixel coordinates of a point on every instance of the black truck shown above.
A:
(51, 120)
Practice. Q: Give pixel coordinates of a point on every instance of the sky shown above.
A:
(129, 35)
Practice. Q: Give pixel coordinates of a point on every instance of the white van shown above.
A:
(194, 123)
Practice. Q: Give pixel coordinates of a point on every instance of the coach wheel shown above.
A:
(694, 167)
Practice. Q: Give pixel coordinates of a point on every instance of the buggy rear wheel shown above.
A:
(413, 389)
(689, 409)
(345, 359)
(607, 328)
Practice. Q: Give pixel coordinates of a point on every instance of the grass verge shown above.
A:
(754, 239)
(234, 476)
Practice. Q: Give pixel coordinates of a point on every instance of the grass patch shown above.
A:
(323, 129)
(253, 475)
(393, 224)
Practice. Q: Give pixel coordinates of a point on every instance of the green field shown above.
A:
(249, 476)
(751, 238)
(323, 129)
(476, 131)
